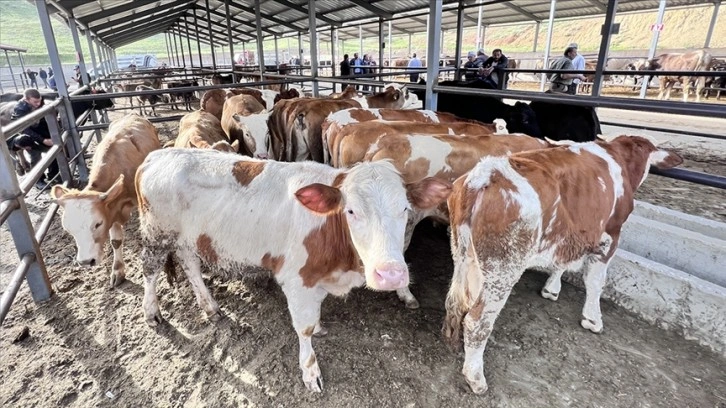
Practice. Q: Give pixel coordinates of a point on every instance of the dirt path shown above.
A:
(89, 346)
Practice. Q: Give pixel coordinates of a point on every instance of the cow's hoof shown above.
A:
(412, 304)
(216, 316)
(549, 295)
(589, 324)
(117, 279)
(320, 331)
(315, 385)
(478, 384)
(154, 320)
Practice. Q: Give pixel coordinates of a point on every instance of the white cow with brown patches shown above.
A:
(328, 231)
(103, 207)
(554, 209)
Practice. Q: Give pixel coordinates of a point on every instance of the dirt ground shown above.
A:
(89, 345)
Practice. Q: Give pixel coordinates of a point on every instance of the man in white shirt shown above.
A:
(414, 63)
(577, 63)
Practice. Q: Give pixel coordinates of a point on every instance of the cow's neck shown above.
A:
(330, 249)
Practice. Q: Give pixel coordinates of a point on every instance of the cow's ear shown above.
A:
(428, 193)
(663, 159)
(114, 191)
(58, 191)
(319, 198)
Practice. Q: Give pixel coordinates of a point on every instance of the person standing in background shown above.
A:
(578, 63)
(32, 77)
(344, 69)
(414, 63)
(44, 76)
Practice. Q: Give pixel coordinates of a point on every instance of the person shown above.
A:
(414, 63)
(473, 63)
(78, 78)
(32, 77)
(51, 83)
(579, 64)
(50, 72)
(33, 139)
(560, 82)
(43, 75)
(493, 69)
(344, 69)
(355, 64)
(365, 62)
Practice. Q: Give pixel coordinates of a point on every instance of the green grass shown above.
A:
(684, 28)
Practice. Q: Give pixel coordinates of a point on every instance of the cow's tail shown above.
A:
(326, 151)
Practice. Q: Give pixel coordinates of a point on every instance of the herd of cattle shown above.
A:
(325, 193)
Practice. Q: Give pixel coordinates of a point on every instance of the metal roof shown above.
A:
(121, 22)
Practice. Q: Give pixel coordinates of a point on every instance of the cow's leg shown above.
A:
(304, 305)
(153, 110)
(686, 90)
(118, 271)
(152, 261)
(551, 289)
(594, 275)
(479, 321)
(193, 268)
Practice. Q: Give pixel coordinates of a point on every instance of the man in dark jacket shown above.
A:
(34, 139)
(493, 69)
(44, 76)
(344, 69)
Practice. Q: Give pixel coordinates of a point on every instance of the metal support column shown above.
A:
(313, 46)
(260, 48)
(12, 75)
(478, 29)
(300, 51)
(277, 53)
(653, 46)
(409, 45)
(93, 54)
(181, 47)
(168, 51)
(79, 51)
(459, 38)
(381, 44)
(22, 231)
(607, 29)
(390, 44)
(229, 38)
(536, 35)
(101, 58)
(66, 115)
(714, 17)
(545, 65)
(176, 49)
(189, 42)
(199, 43)
(22, 70)
(334, 44)
(360, 41)
(432, 51)
(211, 37)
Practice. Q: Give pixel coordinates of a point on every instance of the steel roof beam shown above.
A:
(270, 18)
(218, 35)
(305, 11)
(157, 10)
(115, 10)
(238, 35)
(136, 25)
(373, 9)
(599, 5)
(128, 38)
(240, 21)
(522, 11)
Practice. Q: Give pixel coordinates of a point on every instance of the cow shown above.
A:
(213, 100)
(519, 117)
(131, 86)
(639, 64)
(336, 120)
(245, 119)
(512, 64)
(393, 96)
(105, 205)
(562, 121)
(586, 85)
(185, 98)
(554, 209)
(152, 99)
(693, 61)
(204, 131)
(219, 79)
(347, 229)
(716, 83)
(353, 141)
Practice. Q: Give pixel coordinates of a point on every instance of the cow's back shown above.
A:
(199, 129)
(225, 199)
(128, 141)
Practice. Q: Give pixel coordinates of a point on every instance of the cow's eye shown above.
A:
(350, 212)
(98, 225)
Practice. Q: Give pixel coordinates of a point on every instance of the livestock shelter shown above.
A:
(222, 25)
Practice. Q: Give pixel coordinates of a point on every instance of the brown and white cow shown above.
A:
(554, 209)
(103, 207)
(357, 139)
(445, 157)
(203, 130)
(336, 120)
(393, 96)
(245, 119)
(699, 60)
(328, 231)
(151, 99)
(213, 100)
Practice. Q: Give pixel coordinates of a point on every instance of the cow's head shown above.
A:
(373, 204)
(521, 118)
(255, 136)
(638, 153)
(88, 216)
(394, 96)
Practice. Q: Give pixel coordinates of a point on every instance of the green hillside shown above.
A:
(684, 28)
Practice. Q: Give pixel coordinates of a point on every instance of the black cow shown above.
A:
(185, 97)
(557, 121)
(520, 118)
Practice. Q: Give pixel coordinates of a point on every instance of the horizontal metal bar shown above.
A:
(12, 289)
(39, 169)
(658, 129)
(47, 221)
(7, 207)
(678, 108)
(27, 120)
(152, 120)
(710, 180)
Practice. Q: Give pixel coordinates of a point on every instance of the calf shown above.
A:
(151, 99)
(554, 209)
(204, 131)
(348, 229)
(185, 97)
(103, 207)
(244, 119)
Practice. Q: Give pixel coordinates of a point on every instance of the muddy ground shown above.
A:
(89, 345)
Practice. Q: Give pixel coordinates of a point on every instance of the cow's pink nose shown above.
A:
(391, 276)
(262, 156)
